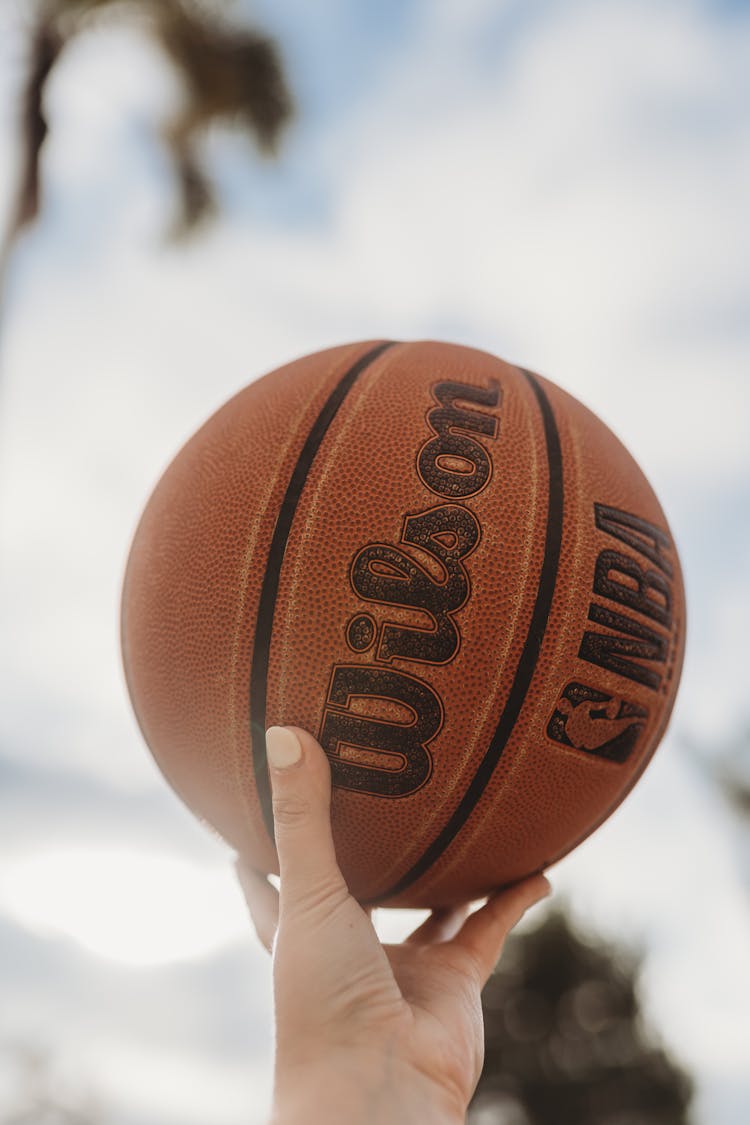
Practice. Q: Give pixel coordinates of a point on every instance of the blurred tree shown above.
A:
(230, 74)
(726, 765)
(565, 1038)
(730, 767)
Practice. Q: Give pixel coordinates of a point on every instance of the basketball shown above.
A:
(446, 569)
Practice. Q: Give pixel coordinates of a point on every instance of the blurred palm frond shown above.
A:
(230, 74)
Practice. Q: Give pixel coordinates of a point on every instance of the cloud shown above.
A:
(564, 185)
(572, 207)
(136, 1034)
(43, 800)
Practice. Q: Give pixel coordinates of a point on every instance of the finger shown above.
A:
(441, 925)
(481, 938)
(262, 901)
(301, 792)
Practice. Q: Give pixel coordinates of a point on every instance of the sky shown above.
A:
(565, 185)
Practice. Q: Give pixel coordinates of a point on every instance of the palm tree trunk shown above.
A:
(44, 49)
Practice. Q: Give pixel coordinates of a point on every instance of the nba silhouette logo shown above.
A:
(594, 722)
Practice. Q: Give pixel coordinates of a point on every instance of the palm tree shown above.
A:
(230, 74)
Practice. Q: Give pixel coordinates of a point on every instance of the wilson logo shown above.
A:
(380, 717)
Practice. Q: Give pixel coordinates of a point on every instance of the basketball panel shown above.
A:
(193, 581)
(595, 711)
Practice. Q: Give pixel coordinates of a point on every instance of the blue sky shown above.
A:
(565, 185)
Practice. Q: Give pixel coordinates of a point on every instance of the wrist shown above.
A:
(344, 1089)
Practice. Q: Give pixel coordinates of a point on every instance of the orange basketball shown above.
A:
(445, 568)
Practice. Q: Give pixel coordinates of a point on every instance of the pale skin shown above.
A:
(366, 1033)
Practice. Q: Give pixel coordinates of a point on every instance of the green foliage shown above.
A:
(565, 1040)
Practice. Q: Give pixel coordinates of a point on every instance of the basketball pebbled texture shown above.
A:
(444, 567)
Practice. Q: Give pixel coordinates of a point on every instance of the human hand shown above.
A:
(366, 1032)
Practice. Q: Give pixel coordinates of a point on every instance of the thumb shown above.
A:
(301, 794)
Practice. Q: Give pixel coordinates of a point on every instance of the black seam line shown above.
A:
(270, 587)
(528, 659)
